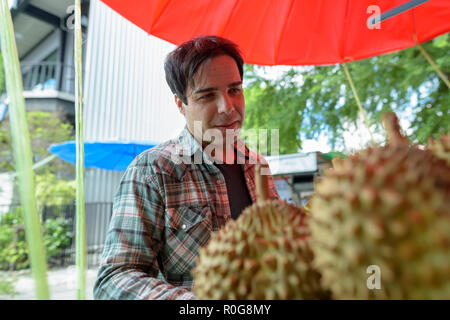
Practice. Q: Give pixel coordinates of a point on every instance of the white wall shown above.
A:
(6, 191)
(126, 96)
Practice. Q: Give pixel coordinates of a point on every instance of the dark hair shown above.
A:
(182, 63)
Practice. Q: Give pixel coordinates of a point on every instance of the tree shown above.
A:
(54, 182)
(306, 101)
(53, 191)
(45, 129)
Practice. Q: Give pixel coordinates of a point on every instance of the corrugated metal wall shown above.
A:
(125, 93)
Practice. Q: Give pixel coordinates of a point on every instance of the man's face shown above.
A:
(216, 99)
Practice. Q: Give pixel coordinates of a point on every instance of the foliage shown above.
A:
(53, 191)
(307, 101)
(13, 247)
(275, 105)
(52, 185)
(45, 129)
(57, 236)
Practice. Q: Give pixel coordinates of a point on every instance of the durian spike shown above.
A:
(261, 183)
(392, 128)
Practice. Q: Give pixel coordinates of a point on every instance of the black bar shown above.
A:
(397, 10)
(62, 54)
(21, 6)
(42, 15)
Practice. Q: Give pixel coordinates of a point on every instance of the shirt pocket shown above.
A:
(187, 229)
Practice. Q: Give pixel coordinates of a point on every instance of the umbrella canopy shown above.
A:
(114, 156)
(292, 32)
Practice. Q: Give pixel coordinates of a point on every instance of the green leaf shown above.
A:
(323, 103)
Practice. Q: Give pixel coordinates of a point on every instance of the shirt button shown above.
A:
(183, 226)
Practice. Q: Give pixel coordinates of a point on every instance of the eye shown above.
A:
(207, 96)
(235, 91)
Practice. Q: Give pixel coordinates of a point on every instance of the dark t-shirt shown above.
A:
(238, 195)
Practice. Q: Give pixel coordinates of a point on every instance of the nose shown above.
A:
(225, 104)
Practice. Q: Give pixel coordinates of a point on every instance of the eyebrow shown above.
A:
(234, 84)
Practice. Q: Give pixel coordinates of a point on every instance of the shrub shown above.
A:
(13, 247)
(7, 285)
(57, 236)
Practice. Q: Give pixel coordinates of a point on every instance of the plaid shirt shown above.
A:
(164, 210)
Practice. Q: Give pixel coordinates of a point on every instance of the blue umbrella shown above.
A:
(106, 155)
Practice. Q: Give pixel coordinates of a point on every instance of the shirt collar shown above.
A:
(189, 146)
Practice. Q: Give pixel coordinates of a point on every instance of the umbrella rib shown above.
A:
(221, 30)
(398, 10)
(277, 47)
(158, 13)
(343, 30)
(251, 43)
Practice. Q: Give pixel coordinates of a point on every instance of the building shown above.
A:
(44, 38)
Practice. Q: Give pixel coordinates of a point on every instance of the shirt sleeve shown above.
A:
(129, 266)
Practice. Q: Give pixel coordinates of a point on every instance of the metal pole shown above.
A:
(396, 11)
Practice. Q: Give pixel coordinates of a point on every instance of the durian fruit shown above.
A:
(380, 223)
(441, 147)
(264, 254)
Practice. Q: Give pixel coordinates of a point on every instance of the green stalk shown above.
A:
(81, 258)
(358, 102)
(22, 153)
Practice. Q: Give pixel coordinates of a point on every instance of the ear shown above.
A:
(179, 104)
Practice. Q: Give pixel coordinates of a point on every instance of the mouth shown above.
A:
(231, 125)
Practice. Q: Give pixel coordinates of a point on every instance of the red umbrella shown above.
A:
(290, 32)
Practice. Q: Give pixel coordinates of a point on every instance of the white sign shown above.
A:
(293, 163)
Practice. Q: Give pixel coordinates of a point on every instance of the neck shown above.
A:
(225, 154)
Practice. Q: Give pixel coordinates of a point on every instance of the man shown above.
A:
(174, 195)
